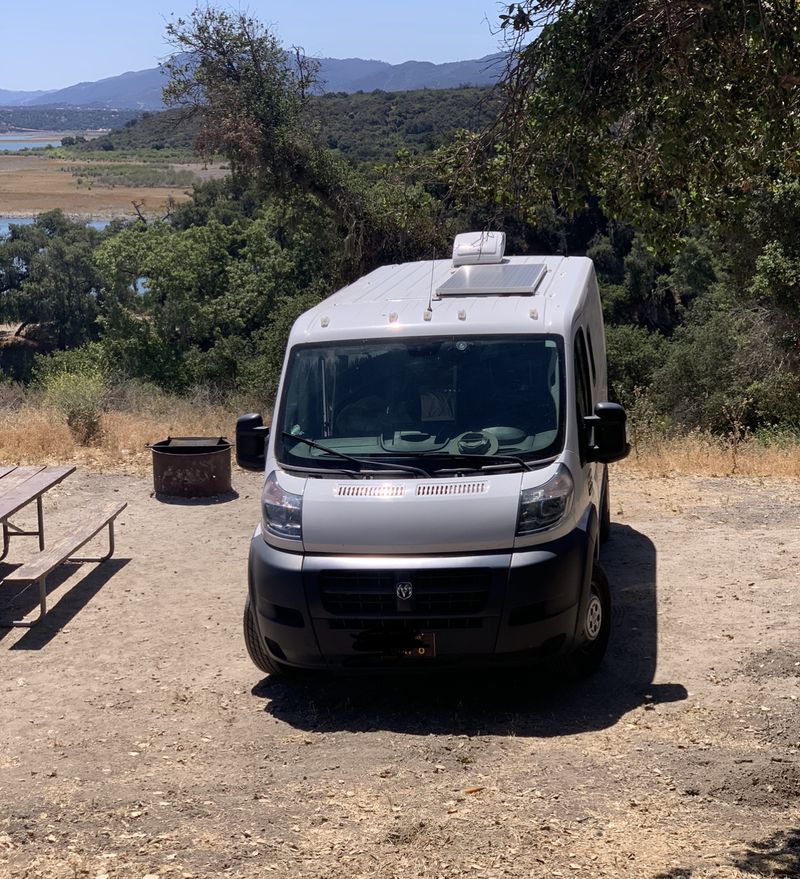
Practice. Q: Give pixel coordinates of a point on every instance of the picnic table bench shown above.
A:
(20, 486)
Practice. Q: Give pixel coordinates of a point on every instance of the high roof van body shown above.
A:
(436, 482)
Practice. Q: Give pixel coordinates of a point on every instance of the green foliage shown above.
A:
(197, 304)
(700, 379)
(361, 128)
(75, 383)
(703, 319)
(63, 118)
(728, 365)
(668, 112)
(377, 126)
(252, 95)
(771, 238)
(634, 354)
(47, 276)
(88, 360)
(174, 129)
(119, 174)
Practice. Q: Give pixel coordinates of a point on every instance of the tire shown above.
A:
(255, 646)
(596, 627)
(605, 511)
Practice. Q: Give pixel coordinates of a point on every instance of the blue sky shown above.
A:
(46, 44)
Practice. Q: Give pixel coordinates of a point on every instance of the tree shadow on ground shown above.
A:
(26, 601)
(517, 702)
(776, 856)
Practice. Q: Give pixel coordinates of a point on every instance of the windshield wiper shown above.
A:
(388, 467)
(316, 471)
(483, 462)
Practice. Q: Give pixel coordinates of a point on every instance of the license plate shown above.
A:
(423, 648)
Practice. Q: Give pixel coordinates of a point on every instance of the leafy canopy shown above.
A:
(250, 91)
(671, 112)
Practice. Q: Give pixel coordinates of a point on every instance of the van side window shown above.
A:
(583, 391)
(591, 355)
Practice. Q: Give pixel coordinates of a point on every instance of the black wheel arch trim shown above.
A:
(590, 560)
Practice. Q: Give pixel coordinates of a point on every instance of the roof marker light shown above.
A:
(462, 315)
(324, 321)
(534, 314)
(427, 314)
(393, 317)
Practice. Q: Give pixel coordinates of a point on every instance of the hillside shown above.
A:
(356, 74)
(361, 127)
(373, 127)
(17, 98)
(174, 129)
(141, 89)
(138, 89)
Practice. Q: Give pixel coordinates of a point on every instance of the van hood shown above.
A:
(401, 516)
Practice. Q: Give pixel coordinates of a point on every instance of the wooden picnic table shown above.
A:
(20, 486)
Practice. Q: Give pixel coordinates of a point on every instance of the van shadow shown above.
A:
(25, 602)
(522, 702)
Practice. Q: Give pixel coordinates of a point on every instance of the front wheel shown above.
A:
(255, 645)
(596, 627)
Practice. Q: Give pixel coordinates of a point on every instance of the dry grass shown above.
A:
(702, 454)
(34, 434)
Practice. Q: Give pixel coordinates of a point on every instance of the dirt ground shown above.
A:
(137, 740)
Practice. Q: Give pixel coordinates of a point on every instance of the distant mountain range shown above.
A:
(141, 89)
(18, 99)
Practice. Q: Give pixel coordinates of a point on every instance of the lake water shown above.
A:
(22, 142)
(5, 222)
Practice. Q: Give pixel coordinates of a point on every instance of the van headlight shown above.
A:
(546, 505)
(281, 511)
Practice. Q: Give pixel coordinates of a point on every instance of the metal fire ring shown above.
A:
(191, 466)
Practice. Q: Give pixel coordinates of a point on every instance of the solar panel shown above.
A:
(498, 279)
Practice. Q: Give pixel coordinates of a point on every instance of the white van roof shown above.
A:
(394, 300)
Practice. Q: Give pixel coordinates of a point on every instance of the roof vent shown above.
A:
(475, 248)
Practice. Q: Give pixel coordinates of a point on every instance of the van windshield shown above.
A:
(426, 398)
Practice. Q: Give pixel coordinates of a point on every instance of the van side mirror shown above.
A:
(606, 430)
(251, 442)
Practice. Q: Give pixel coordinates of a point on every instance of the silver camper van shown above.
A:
(435, 481)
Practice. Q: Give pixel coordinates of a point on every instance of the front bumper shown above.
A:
(339, 611)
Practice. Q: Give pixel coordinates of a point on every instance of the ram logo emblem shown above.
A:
(404, 591)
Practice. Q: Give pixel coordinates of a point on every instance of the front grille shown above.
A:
(406, 624)
(373, 593)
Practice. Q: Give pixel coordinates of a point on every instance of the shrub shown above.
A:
(633, 356)
(75, 383)
(80, 398)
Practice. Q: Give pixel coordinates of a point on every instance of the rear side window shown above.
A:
(591, 355)
(583, 387)
(583, 391)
